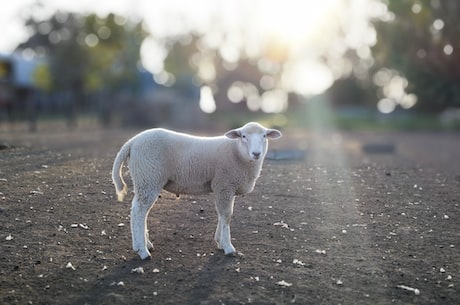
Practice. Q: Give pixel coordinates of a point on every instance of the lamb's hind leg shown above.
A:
(139, 211)
(224, 207)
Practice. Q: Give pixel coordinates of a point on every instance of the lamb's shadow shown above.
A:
(210, 279)
(111, 288)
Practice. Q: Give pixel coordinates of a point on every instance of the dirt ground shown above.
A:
(363, 218)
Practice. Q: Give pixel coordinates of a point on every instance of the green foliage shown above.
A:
(419, 38)
(180, 52)
(87, 53)
(113, 61)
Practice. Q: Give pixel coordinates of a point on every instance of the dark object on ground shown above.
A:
(287, 155)
(385, 148)
(4, 146)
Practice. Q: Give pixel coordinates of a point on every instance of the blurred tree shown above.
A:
(112, 45)
(87, 55)
(193, 63)
(350, 91)
(247, 74)
(419, 39)
(179, 67)
(181, 51)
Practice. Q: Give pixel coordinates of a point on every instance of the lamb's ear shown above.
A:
(233, 134)
(273, 133)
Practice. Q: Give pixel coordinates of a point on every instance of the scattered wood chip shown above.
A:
(70, 266)
(139, 270)
(284, 283)
(404, 287)
(281, 224)
(298, 262)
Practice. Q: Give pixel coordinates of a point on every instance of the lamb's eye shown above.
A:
(244, 136)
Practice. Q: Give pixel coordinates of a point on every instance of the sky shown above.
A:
(295, 32)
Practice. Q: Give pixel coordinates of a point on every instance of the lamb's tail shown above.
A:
(117, 178)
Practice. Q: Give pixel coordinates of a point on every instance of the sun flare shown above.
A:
(291, 26)
(295, 35)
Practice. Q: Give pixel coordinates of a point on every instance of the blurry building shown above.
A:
(18, 91)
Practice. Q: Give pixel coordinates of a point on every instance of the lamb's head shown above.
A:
(252, 140)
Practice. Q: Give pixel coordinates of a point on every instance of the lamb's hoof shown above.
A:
(235, 254)
(150, 247)
(147, 258)
(231, 254)
(144, 256)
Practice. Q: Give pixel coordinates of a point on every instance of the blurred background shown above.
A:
(380, 64)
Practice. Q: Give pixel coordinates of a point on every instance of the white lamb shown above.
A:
(183, 164)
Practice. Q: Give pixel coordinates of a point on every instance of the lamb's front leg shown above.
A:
(224, 207)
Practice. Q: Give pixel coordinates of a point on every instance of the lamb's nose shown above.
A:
(256, 154)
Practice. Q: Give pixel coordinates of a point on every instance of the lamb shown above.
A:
(179, 163)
